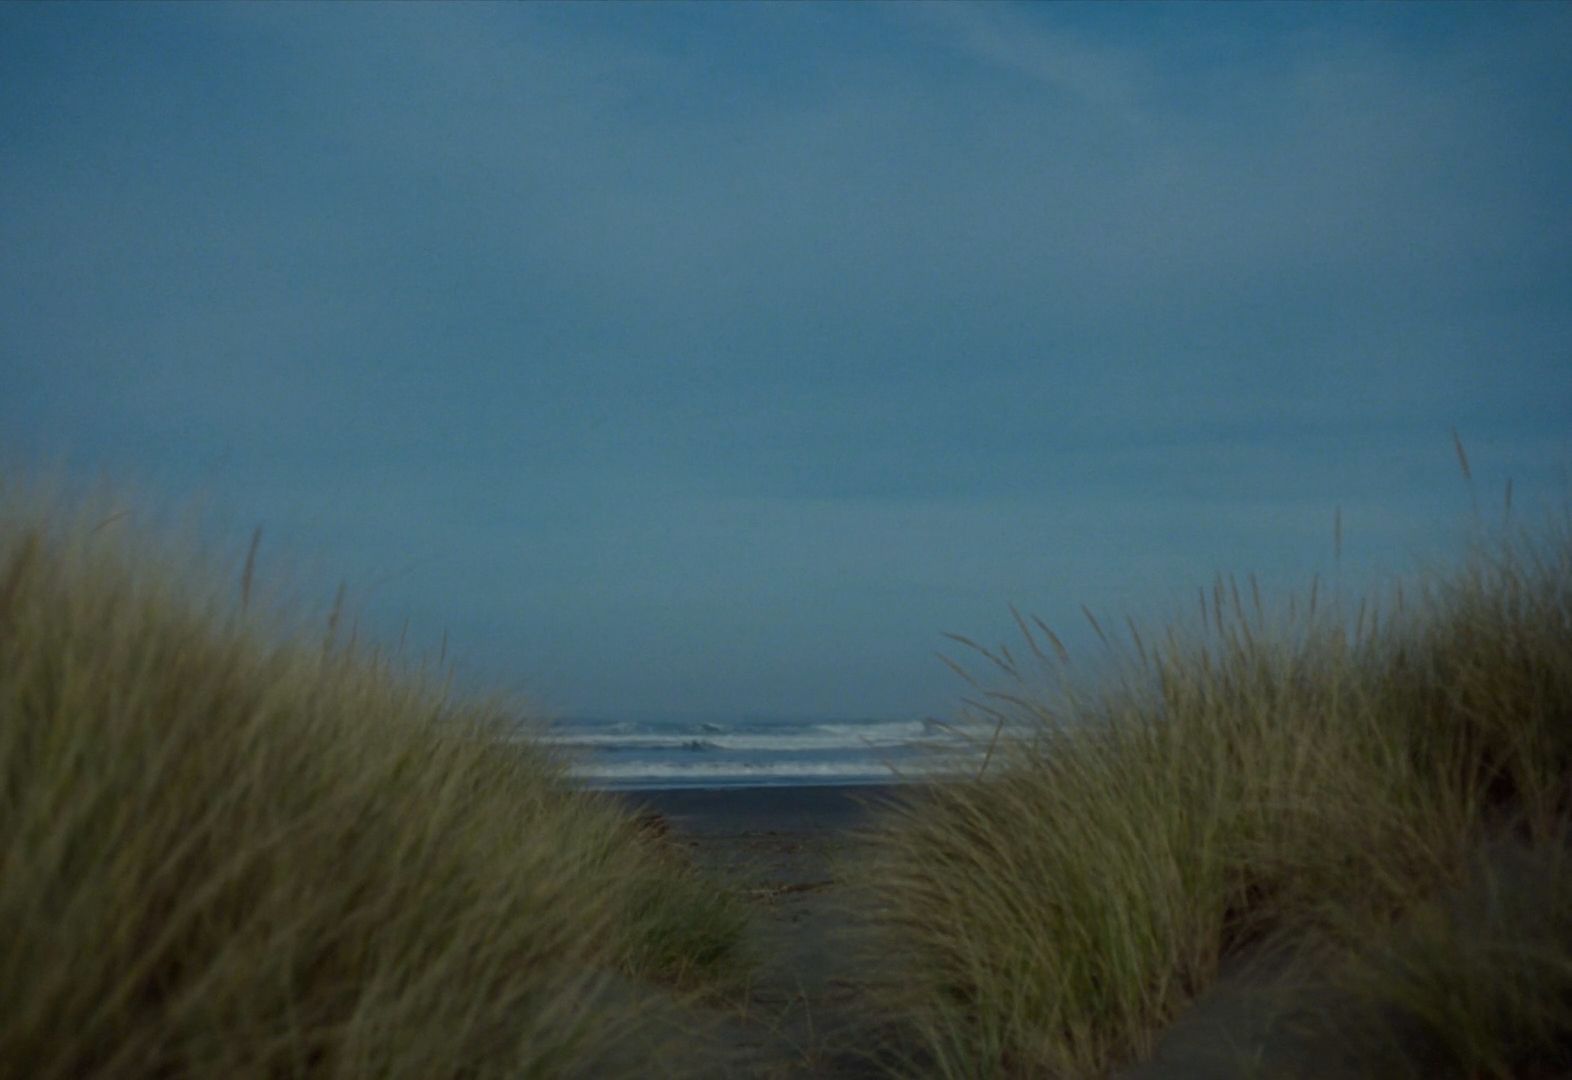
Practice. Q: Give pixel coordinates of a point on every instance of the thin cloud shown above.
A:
(1007, 40)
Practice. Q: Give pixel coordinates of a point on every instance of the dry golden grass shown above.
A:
(229, 849)
(1312, 778)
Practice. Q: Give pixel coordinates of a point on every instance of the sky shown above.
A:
(718, 359)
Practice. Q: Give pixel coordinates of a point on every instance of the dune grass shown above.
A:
(1475, 981)
(1316, 778)
(231, 848)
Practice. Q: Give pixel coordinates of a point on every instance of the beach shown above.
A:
(781, 847)
(809, 809)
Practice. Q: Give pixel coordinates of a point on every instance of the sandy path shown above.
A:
(780, 847)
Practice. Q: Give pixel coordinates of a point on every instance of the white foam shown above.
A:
(775, 752)
(905, 730)
(765, 742)
(808, 737)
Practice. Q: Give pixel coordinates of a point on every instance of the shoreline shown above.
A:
(779, 808)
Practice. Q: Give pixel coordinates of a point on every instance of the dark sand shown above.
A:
(718, 812)
(781, 848)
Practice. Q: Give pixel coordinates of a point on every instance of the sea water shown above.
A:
(678, 752)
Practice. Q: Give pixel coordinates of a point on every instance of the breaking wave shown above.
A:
(687, 753)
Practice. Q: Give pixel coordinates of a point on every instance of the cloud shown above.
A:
(1008, 40)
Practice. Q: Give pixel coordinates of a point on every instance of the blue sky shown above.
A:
(718, 358)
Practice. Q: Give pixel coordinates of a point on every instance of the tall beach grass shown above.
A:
(229, 847)
(1329, 780)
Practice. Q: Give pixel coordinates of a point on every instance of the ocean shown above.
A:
(710, 753)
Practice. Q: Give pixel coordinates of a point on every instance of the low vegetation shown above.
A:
(233, 844)
(1380, 794)
(231, 848)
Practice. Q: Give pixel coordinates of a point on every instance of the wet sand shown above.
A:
(721, 812)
